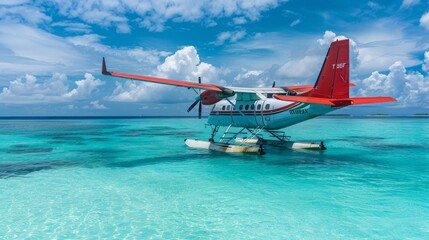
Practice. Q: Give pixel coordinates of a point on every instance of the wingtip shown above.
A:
(104, 68)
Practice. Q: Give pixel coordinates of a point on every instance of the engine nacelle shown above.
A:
(209, 97)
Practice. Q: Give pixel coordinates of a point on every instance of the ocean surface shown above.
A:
(135, 179)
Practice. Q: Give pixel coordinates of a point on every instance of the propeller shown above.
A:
(274, 84)
(197, 101)
(200, 107)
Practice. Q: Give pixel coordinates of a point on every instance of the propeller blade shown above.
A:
(193, 105)
(199, 105)
(199, 110)
(274, 84)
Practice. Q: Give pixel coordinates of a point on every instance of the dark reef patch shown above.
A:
(159, 159)
(24, 149)
(14, 169)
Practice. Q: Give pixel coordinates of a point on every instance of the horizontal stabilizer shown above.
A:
(371, 100)
(305, 88)
(336, 102)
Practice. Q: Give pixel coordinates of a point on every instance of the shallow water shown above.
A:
(135, 178)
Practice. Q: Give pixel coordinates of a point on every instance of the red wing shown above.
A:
(161, 80)
(336, 102)
(369, 100)
(305, 88)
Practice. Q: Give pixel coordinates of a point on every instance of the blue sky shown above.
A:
(50, 51)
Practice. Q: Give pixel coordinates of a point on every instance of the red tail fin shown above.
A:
(333, 80)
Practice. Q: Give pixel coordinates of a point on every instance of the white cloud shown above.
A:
(97, 105)
(185, 64)
(26, 49)
(409, 3)
(231, 37)
(29, 90)
(329, 37)
(374, 5)
(84, 87)
(24, 13)
(425, 65)
(154, 14)
(239, 20)
(424, 21)
(300, 68)
(410, 88)
(89, 41)
(73, 26)
(13, 2)
(93, 41)
(295, 22)
(250, 78)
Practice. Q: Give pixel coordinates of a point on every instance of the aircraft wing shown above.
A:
(305, 88)
(336, 102)
(210, 87)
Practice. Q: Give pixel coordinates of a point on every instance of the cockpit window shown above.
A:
(228, 107)
(259, 107)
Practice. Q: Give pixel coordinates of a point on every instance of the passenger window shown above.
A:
(228, 107)
(267, 106)
(259, 107)
(246, 107)
(240, 107)
(252, 107)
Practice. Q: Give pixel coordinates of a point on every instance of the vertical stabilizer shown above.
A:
(333, 80)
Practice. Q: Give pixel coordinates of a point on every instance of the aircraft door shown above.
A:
(259, 107)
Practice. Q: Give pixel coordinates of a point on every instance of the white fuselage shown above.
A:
(269, 113)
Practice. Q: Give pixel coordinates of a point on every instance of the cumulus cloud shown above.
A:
(424, 21)
(84, 87)
(410, 88)
(184, 64)
(29, 90)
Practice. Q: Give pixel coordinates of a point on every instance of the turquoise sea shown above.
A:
(135, 179)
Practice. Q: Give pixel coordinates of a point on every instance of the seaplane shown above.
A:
(252, 118)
